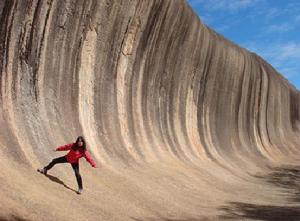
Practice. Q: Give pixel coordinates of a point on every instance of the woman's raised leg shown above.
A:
(62, 159)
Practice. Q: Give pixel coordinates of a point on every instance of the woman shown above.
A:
(77, 150)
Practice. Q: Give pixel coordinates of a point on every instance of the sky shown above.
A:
(269, 28)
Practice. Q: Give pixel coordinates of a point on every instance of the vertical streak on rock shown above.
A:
(152, 145)
(38, 74)
(294, 110)
(5, 33)
(10, 107)
(262, 114)
(203, 104)
(86, 95)
(122, 84)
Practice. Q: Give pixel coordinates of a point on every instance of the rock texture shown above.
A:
(183, 124)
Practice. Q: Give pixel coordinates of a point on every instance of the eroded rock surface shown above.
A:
(182, 123)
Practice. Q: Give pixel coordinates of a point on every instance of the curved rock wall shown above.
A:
(143, 81)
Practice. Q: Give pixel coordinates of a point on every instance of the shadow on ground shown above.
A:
(242, 211)
(57, 180)
(12, 218)
(288, 179)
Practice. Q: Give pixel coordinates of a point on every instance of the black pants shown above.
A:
(75, 167)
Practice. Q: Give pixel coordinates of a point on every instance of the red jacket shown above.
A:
(74, 155)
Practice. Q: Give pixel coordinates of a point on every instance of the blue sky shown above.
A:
(270, 28)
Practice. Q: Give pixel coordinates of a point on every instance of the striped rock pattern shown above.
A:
(179, 120)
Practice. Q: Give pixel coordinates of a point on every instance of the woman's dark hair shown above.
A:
(80, 138)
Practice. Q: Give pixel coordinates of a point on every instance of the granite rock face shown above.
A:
(178, 118)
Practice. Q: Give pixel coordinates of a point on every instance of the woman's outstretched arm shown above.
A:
(64, 147)
(89, 159)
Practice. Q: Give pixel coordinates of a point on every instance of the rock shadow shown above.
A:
(246, 211)
(288, 179)
(12, 218)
